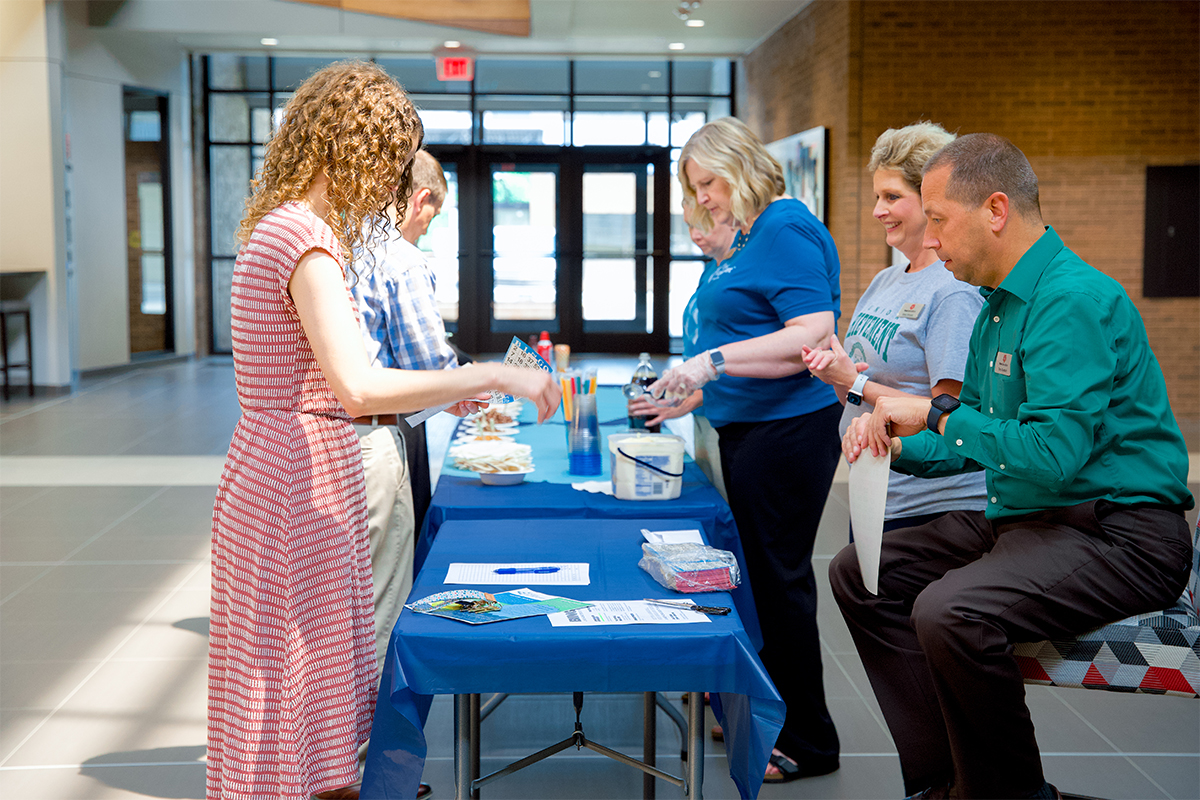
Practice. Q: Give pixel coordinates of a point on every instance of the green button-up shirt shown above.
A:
(1062, 401)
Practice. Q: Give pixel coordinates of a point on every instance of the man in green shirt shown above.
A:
(1064, 408)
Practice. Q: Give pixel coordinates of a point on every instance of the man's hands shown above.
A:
(465, 407)
(833, 366)
(677, 385)
(880, 431)
(645, 407)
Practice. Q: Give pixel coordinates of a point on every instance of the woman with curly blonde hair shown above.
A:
(292, 667)
(777, 292)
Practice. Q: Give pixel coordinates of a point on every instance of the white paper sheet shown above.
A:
(624, 612)
(868, 496)
(416, 419)
(595, 487)
(565, 574)
(672, 537)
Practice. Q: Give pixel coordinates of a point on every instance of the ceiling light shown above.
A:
(676, 46)
(695, 23)
(654, 73)
(268, 42)
(451, 44)
(687, 8)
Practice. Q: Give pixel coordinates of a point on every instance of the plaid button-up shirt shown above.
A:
(397, 312)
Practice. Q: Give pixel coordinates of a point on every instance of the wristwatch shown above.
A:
(855, 395)
(718, 361)
(943, 404)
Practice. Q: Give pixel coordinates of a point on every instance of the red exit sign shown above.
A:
(455, 68)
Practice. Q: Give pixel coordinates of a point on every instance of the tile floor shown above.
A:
(105, 499)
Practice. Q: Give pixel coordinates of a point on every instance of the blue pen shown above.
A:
(519, 570)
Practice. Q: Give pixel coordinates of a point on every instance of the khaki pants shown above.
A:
(390, 525)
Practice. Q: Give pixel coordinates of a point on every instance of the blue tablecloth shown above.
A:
(546, 492)
(429, 655)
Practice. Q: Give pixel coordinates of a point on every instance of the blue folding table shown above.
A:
(547, 492)
(430, 655)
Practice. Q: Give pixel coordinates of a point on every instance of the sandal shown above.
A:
(717, 734)
(788, 771)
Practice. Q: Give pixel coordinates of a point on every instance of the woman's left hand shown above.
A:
(678, 384)
(645, 407)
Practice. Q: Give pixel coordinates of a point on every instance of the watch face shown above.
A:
(945, 402)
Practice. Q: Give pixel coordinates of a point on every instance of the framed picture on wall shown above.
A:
(804, 157)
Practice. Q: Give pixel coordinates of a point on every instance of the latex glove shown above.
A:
(676, 385)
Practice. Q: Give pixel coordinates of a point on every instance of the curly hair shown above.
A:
(906, 150)
(354, 122)
(730, 150)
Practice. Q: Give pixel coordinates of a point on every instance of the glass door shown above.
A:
(524, 257)
(565, 241)
(623, 263)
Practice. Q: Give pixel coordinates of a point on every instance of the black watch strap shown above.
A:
(942, 404)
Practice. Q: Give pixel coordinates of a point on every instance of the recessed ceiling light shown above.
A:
(676, 46)
(451, 44)
(695, 23)
(654, 73)
(268, 42)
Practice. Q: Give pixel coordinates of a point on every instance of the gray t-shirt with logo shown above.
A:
(914, 329)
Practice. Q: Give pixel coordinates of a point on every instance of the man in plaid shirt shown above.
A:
(402, 329)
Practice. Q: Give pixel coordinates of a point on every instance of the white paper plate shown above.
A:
(503, 478)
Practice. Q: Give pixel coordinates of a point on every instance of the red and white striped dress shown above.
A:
(291, 676)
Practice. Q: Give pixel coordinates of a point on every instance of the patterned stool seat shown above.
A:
(1157, 653)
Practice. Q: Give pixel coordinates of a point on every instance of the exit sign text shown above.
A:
(455, 68)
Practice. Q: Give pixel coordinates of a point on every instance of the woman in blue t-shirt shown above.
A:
(776, 293)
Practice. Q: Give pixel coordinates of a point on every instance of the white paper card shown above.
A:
(672, 537)
(544, 573)
(868, 496)
(416, 419)
(627, 612)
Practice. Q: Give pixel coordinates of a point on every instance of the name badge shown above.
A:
(911, 310)
(1004, 363)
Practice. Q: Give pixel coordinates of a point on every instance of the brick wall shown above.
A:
(1092, 92)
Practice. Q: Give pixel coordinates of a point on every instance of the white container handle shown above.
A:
(650, 466)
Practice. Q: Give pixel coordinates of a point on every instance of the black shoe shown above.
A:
(932, 793)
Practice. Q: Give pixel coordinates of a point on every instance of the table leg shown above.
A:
(475, 742)
(462, 747)
(696, 747)
(649, 740)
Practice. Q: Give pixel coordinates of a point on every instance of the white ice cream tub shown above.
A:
(646, 466)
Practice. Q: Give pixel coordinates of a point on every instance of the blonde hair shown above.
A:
(427, 173)
(730, 150)
(354, 122)
(689, 214)
(906, 150)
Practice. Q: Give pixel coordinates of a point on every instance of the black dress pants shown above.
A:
(956, 594)
(418, 471)
(778, 475)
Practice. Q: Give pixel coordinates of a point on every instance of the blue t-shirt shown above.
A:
(787, 267)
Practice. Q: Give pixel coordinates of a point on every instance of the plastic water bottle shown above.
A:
(545, 349)
(644, 375)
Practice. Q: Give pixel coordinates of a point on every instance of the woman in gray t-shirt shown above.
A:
(911, 329)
